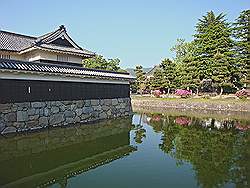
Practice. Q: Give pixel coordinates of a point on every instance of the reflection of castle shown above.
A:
(45, 158)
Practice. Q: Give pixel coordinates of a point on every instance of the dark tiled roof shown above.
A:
(7, 64)
(17, 42)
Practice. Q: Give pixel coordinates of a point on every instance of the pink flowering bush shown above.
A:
(242, 127)
(242, 94)
(183, 121)
(157, 93)
(183, 93)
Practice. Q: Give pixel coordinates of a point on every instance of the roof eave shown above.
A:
(57, 51)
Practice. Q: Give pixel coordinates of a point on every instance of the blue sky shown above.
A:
(136, 31)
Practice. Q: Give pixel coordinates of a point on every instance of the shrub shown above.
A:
(157, 93)
(183, 93)
(183, 121)
(242, 94)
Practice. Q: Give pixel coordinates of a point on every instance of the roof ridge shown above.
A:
(47, 35)
(18, 34)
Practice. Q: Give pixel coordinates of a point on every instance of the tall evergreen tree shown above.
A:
(158, 81)
(169, 72)
(214, 37)
(186, 68)
(241, 31)
(140, 78)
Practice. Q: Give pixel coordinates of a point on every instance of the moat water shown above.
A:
(146, 150)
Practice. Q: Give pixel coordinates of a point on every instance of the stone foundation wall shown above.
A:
(19, 117)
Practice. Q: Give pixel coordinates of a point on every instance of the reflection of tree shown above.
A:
(218, 152)
(140, 132)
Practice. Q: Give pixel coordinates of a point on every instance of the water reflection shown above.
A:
(219, 150)
(54, 156)
(201, 151)
(140, 132)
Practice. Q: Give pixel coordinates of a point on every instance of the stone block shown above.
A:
(46, 112)
(97, 108)
(87, 103)
(73, 107)
(66, 102)
(58, 103)
(37, 104)
(31, 111)
(4, 107)
(79, 112)
(121, 100)
(77, 119)
(43, 121)
(94, 102)
(2, 126)
(19, 125)
(41, 111)
(22, 116)
(56, 119)
(105, 108)
(32, 123)
(34, 117)
(79, 104)
(101, 101)
(87, 110)
(55, 110)
(10, 117)
(103, 115)
(69, 120)
(85, 116)
(107, 102)
(23, 105)
(114, 102)
(69, 114)
(8, 130)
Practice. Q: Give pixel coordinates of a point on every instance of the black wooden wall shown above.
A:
(30, 90)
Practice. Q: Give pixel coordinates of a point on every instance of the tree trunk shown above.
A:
(168, 90)
(197, 91)
(221, 90)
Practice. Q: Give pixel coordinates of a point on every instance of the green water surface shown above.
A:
(145, 150)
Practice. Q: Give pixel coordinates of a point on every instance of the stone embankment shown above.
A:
(149, 103)
(19, 117)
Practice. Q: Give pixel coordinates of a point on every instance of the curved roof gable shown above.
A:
(56, 41)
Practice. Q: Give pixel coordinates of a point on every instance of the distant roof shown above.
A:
(151, 72)
(24, 66)
(22, 43)
(132, 71)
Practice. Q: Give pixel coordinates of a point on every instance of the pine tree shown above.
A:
(186, 68)
(158, 79)
(140, 78)
(169, 73)
(242, 34)
(214, 37)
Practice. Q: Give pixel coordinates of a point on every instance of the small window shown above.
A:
(29, 90)
(62, 58)
(3, 56)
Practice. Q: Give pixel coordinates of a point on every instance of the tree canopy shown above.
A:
(99, 62)
(219, 53)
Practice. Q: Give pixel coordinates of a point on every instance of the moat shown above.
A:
(143, 150)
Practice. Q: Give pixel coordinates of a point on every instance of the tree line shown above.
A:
(218, 55)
